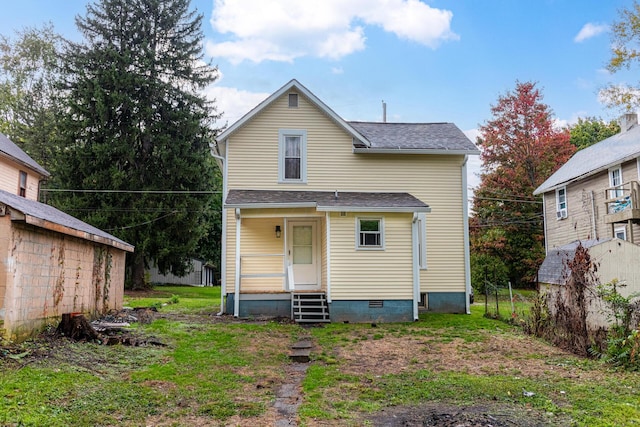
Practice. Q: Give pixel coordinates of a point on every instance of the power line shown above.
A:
(62, 190)
(142, 223)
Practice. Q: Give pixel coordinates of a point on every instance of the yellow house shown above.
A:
(50, 263)
(330, 220)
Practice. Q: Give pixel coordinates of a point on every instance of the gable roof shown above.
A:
(292, 84)
(612, 151)
(369, 137)
(434, 138)
(8, 148)
(50, 218)
(344, 201)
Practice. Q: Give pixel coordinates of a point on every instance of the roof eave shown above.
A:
(407, 209)
(49, 225)
(277, 94)
(414, 151)
(263, 205)
(40, 171)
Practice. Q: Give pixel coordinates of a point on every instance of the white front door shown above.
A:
(302, 252)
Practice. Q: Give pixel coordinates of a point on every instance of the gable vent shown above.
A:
(293, 100)
(376, 303)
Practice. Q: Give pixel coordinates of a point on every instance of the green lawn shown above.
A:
(220, 371)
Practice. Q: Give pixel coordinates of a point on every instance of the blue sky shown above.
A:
(429, 60)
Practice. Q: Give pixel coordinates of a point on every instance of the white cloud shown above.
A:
(590, 30)
(282, 30)
(233, 103)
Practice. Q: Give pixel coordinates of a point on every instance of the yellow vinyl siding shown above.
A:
(371, 274)
(332, 165)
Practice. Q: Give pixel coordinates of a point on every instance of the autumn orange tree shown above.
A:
(520, 149)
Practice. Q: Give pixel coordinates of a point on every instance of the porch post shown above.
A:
(236, 301)
(328, 250)
(465, 221)
(415, 241)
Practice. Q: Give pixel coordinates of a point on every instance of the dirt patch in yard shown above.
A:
(497, 354)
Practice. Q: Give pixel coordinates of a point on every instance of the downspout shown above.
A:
(465, 219)
(236, 301)
(222, 164)
(544, 225)
(416, 265)
(328, 250)
(593, 217)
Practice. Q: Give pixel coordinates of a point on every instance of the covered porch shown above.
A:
(279, 249)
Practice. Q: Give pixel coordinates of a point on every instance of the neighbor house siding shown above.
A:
(371, 274)
(434, 179)
(580, 211)
(10, 178)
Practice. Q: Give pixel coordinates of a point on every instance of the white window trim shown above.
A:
(422, 241)
(282, 133)
(561, 213)
(611, 183)
(382, 239)
(622, 229)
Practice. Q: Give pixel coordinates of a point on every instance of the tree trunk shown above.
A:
(138, 271)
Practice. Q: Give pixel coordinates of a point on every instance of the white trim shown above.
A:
(618, 229)
(618, 192)
(544, 225)
(414, 151)
(316, 224)
(465, 221)
(328, 250)
(291, 85)
(415, 241)
(223, 244)
(381, 247)
(562, 213)
(299, 133)
(236, 301)
(422, 240)
(373, 209)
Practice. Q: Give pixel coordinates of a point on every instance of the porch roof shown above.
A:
(342, 201)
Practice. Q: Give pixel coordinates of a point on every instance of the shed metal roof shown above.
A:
(12, 150)
(612, 151)
(48, 217)
(326, 200)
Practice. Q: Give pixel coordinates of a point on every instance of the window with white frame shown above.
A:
(615, 182)
(292, 162)
(620, 233)
(422, 240)
(561, 203)
(370, 233)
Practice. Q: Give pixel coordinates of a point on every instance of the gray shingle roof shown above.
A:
(598, 157)
(415, 136)
(554, 267)
(12, 150)
(326, 200)
(50, 214)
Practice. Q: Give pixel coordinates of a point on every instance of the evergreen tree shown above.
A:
(137, 120)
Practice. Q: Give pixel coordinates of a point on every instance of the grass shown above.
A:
(221, 372)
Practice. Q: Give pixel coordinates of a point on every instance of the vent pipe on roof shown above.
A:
(627, 121)
(384, 112)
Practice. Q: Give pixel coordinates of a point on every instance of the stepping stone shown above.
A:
(302, 344)
(300, 355)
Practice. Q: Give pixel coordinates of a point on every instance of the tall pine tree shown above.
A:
(137, 130)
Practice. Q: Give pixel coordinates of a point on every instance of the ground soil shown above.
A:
(497, 354)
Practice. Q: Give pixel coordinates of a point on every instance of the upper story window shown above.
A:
(561, 203)
(620, 233)
(370, 233)
(293, 100)
(22, 184)
(292, 162)
(615, 182)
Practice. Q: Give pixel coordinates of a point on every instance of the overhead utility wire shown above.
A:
(61, 190)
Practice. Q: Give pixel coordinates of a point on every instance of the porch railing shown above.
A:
(621, 201)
